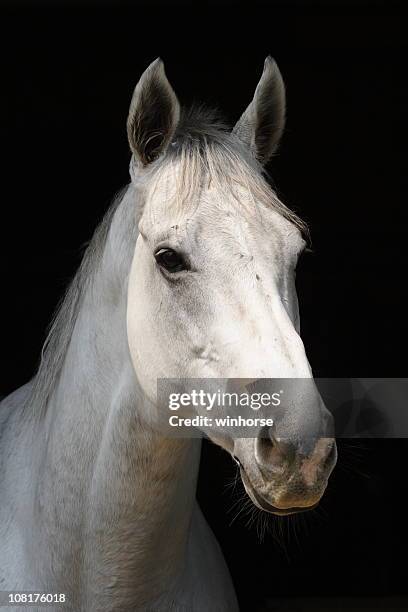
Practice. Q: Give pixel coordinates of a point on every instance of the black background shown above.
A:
(67, 74)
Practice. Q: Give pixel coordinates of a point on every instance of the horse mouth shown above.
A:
(259, 501)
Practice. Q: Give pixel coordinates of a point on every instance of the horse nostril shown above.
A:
(272, 452)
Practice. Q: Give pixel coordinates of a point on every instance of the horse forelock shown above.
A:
(204, 151)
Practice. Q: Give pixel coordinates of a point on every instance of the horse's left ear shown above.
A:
(262, 124)
(153, 115)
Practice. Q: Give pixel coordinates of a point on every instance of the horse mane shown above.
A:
(205, 146)
(63, 322)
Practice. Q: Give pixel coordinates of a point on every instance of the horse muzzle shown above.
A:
(280, 479)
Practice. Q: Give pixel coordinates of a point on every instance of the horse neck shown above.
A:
(135, 489)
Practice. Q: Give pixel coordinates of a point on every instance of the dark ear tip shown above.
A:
(270, 64)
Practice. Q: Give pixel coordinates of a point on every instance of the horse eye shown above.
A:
(170, 260)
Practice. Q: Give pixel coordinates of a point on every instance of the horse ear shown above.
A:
(153, 115)
(260, 127)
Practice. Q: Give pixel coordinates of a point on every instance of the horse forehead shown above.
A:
(254, 227)
(217, 213)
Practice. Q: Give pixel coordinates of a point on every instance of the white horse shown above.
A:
(191, 274)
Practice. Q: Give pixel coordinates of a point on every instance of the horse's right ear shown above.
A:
(153, 115)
